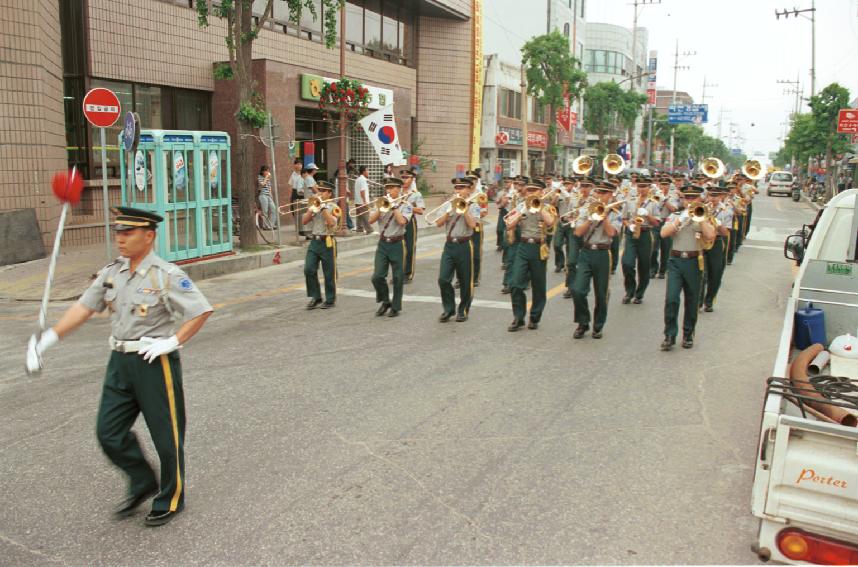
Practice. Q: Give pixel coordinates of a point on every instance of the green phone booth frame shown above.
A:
(186, 177)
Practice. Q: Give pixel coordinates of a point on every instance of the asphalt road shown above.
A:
(335, 437)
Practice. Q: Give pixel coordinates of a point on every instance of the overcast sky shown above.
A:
(741, 47)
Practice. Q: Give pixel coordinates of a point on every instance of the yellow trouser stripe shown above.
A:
(171, 398)
(471, 247)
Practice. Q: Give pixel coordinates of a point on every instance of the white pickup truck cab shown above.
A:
(805, 491)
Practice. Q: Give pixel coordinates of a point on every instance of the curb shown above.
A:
(241, 262)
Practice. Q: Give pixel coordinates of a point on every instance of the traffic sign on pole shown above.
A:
(101, 108)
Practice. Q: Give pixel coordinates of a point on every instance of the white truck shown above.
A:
(805, 490)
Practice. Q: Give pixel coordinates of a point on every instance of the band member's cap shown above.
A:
(522, 179)
(392, 182)
(461, 182)
(692, 190)
(642, 180)
(535, 184)
(325, 186)
(604, 186)
(407, 171)
(129, 218)
(719, 190)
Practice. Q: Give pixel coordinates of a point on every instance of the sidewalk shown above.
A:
(76, 267)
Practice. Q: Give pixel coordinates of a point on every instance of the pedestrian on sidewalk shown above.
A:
(362, 200)
(144, 295)
(266, 202)
(296, 184)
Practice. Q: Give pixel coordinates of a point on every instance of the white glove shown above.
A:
(156, 347)
(37, 345)
(642, 212)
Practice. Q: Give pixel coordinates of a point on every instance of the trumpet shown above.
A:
(656, 197)
(597, 211)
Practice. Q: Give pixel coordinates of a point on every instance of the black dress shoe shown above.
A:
(637, 300)
(314, 303)
(627, 299)
(154, 518)
(327, 305)
(393, 313)
(579, 332)
(130, 504)
(445, 317)
(668, 343)
(708, 309)
(597, 333)
(505, 290)
(461, 318)
(687, 342)
(516, 325)
(382, 309)
(532, 325)
(567, 294)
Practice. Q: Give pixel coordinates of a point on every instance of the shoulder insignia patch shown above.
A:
(186, 284)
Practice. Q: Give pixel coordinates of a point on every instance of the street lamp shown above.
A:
(796, 12)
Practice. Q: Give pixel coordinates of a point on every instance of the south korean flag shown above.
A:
(380, 128)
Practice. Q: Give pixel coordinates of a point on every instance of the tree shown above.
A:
(825, 107)
(608, 107)
(250, 114)
(551, 69)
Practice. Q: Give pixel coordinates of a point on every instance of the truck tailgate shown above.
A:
(814, 476)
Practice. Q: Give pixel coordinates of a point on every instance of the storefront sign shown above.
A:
(477, 81)
(311, 89)
(538, 140)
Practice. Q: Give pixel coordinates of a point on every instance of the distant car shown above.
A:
(780, 182)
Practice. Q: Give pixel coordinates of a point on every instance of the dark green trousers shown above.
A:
(731, 245)
(559, 244)
(389, 256)
(500, 229)
(133, 386)
(574, 247)
(410, 260)
(510, 260)
(593, 265)
(615, 252)
(683, 281)
(749, 210)
(660, 253)
(715, 263)
(477, 239)
(527, 267)
(458, 258)
(317, 252)
(740, 231)
(637, 256)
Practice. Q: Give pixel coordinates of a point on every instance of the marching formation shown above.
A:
(683, 229)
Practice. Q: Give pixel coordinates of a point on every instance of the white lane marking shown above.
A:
(767, 234)
(424, 298)
(778, 248)
(770, 219)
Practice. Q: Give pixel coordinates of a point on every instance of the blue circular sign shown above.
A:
(131, 131)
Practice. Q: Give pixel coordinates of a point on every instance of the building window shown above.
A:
(566, 29)
(537, 112)
(602, 61)
(510, 103)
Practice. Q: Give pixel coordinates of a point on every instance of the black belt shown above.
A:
(532, 240)
(642, 229)
(598, 246)
(391, 238)
(458, 239)
(318, 236)
(682, 254)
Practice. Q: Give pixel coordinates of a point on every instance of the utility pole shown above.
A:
(676, 68)
(633, 70)
(796, 12)
(703, 94)
(271, 141)
(525, 162)
(548, 24)
(792, 90)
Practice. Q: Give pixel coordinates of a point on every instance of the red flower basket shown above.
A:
(346, 97)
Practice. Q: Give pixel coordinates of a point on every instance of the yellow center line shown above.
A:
(551, 293)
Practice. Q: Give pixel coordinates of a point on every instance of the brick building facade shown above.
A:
(161, 64)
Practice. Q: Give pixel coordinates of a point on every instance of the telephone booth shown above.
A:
(184, 176)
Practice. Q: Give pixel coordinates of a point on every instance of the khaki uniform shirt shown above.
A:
(393, 229)
(415, 199)
(725, 215)
(686, 239)
(630, 211)
(531, 226)
(596, 233)
(317, 224)
(147, 301)
(456, 227)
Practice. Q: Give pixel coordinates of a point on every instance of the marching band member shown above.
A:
(716, 256)
(560, 239)
(580, 199)
(503, 201)
(415, 199)
(620, 192)
(738, 204)
(685, 267)
(594, 260)
(639, 220)
(513, 234)
(661, 246)
(323, 248)
(390, 253)
(458, 254)
(478, 235)
(531, 254)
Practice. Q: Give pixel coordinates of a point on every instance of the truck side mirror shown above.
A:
(794, 247)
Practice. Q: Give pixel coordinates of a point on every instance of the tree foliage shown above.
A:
(551, 69)
(250, 114)
(609, 106)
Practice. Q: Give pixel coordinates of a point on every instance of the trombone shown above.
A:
(313, 204)
(597, 211)
(532, 205)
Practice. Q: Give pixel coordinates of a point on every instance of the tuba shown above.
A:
(613, 164)
(753, 170)
(583, 165)
(713, 168)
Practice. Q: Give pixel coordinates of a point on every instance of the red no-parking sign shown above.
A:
(101, 107)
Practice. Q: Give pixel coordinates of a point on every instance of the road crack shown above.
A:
(36, 552)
